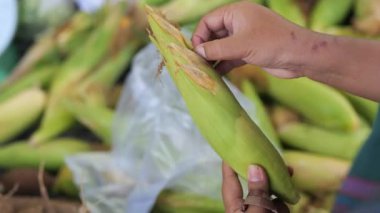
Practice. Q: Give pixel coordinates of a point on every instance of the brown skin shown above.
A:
(232, 191)
(245, 32)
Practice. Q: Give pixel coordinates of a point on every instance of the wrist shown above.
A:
(309, 53)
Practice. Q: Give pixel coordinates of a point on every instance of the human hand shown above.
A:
(258, 186)
(245, 32)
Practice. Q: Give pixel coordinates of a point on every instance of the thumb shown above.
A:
(257, 179)
(228, 48)
(258, 197)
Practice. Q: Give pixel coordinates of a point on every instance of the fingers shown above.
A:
(209, 24)
(225, 66)
(229, 48)
(282, 73)
(258, 185)
(231, 190)
(257, 182)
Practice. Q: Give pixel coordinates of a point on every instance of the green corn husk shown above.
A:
(56, 118)
(22, 154)
(38, 77)
(154, 2)
(289, 9)
(75, 32)
(367, 108)
(64, 184)
(367, 16)
(322, 141)
(175, 202)
(49, 47)
(320, 104)
(20, 112)
(326, 201)
(313, 209)
(264, 121)
(327, 13)
(302, 205)
(216, 112)
(97, 118)
(187, 11)
(95, 87)
(316, 174)
(345, 31)
(88, 103)
(282, 116)
(258, 1)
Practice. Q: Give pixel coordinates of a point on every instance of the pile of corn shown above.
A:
(69, 78)
(60, 99)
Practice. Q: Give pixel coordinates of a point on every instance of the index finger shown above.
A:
(209, 24)
(232, 191)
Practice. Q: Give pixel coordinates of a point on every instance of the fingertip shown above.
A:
(227, 170)
(200, 49)
(197, 40)
(255, 174)
(257, 178)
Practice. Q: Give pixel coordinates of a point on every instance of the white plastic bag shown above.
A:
(156, 146)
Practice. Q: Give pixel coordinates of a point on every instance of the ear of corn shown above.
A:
(186, 11)
(261, 113)
(302, 205)
(216, 112)
(282, 116)
(154, 2)
(316, 174)
(318, 103)
(56, 118)
(345, 31)
(289, 9)
(98, 118)
(327, 13)
(51, 45)
(365, 107)
(248, 72)
(88, 101)
(21, 154)
(176, 202)
(367, 16)
(101, 81)
(39, 76)
(258, 1)
(71, 35)
(19, 112)
(322, 141)
(326, 201)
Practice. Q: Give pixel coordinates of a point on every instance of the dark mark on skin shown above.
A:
(318, 45)
(293, 35)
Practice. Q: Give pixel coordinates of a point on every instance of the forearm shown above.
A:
(349, 64)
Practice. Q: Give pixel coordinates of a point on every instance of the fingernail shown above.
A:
(201, 50)
(255, 174)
